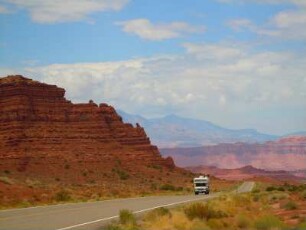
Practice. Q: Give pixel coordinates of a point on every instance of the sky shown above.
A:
(236, 63)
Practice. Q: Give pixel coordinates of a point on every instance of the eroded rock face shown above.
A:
(38, 124)
(287, 153)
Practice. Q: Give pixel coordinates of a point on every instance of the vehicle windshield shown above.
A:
(200, 184)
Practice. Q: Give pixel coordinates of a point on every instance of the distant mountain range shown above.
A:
(174, 131)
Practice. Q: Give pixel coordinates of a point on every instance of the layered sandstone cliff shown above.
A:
(283, 154)
(37, 124)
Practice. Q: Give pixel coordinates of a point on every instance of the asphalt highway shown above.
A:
(92, 215)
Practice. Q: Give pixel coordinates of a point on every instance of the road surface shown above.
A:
(93, 215)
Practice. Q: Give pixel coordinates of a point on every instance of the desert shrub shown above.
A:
(122, 174)
(197, 210)
(153, 186)
(215, 224)
(202, 211)
(158, 167)
(167, 187)
(6, 180)
(256, 190)
(157, 213)
(302, 225)
(112, 227)
(268, 222)
(126, 217)
(199, 225)
(304, 195)
(67, 166)
(293, 188)
(270, 188)
(290, 205)
(242, 222)
(62, 195)
(256, 197)
(282, 189)
(241, 200)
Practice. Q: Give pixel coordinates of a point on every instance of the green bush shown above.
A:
(302, 225)
(167, 187)
(304, 195)
(62, 195)
(281, 189)
(293, 188)
(268, 222)
(126, 217)
(290, 205)
(270, 188)
(202, 211)
(256, 190)
(122, 174)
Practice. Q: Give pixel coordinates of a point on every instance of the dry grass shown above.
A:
(258, 210)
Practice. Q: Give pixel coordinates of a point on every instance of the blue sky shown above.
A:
(238, 63)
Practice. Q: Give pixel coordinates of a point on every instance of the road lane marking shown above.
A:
(135, 212)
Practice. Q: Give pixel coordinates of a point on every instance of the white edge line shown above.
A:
(135, 212)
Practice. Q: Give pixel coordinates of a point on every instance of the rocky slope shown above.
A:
(48, 139)
(284, 154)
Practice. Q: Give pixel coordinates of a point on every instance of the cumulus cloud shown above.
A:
(213, 51)
(287, 24)
(147, 30)
(55, 11)
(206, 82)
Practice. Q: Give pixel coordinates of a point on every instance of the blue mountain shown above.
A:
(176, 131)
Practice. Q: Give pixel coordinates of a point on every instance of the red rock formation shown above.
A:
(37, 124)
(284, 154)
(245, 172)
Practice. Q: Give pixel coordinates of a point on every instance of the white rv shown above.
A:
(201, 184)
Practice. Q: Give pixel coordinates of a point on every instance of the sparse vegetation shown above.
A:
(259, 210)
(290, 205)
(268, 222)
(127, 221)
(62, 195)
(6, 180)
(203, 211)
(127, 217)
(243, 222)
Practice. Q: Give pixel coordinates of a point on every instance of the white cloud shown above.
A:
(234, 80)
(147, 30)
(213, 51)
(55, 11)
(296, 2)
(288, 24)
